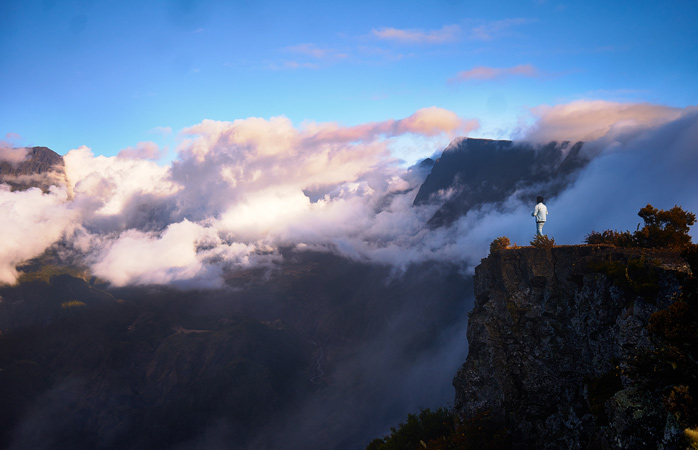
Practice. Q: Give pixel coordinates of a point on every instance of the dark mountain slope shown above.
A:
(312, 354)
(473, 172)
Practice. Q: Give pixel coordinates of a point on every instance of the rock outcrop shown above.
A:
(555, 337)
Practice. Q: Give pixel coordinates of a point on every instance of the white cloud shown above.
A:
(32, 221)
(137, 257)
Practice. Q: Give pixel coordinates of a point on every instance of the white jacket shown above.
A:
(540, 212)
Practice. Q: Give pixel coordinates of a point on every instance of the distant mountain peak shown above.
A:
(41, 168)
(478, 171)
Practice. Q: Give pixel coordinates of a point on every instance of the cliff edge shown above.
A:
(556, 339)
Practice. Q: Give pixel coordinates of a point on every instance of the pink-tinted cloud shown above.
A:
(446, 34)
(104, 187)
(430, 121)
(586, 120)
(12, 155)
(316, 52)
(481, 73)
(143, 150)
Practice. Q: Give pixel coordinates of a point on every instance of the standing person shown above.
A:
(540, 212)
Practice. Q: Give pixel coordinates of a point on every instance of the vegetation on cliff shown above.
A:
(662, 374)
(662, 229)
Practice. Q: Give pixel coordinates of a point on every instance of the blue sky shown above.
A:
(111, 74)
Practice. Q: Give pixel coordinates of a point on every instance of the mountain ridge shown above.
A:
(479, 171)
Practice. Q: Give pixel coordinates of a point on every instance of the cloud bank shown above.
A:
(238, 191)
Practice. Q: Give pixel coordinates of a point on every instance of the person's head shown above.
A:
(539, 199)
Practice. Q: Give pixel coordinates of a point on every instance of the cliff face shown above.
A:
(554, 338)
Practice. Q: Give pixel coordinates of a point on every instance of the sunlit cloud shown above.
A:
(585, 120)
(446, 34)
(13, 155)
(493, 73)
(142, 150)
(32, 221)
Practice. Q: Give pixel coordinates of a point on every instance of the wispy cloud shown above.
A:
(313, 51)
(142, 150)
(296, 65)
(493, 73)
(469, 30)
(447, 33)
(164, 131)
(495, 29)
(309, 56)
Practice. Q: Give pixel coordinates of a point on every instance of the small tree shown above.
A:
(668, 229)
(665, 228)
(500, 243)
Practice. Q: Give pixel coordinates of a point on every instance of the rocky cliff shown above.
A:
(560, 354)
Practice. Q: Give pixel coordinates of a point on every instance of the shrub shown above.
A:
(443, 430)
(543, 241)
(611, 237)
(417, 431)
(667, 229)
(500, 243)
(671, 366)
